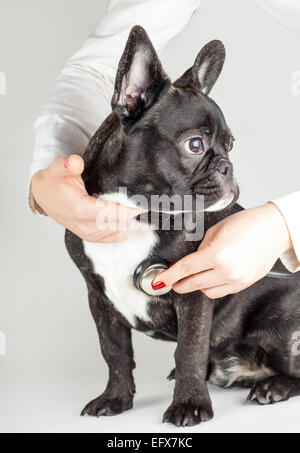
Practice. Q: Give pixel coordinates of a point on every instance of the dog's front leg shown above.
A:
(116, 346)
(191, 402)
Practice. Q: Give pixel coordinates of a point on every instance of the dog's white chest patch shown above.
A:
(116, 263)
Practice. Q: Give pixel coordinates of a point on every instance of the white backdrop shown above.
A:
(53, 366)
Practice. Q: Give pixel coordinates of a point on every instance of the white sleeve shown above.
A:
(79, 100)
(289, 207)
(287, 12)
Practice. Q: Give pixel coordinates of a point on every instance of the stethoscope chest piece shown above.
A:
(145, 273)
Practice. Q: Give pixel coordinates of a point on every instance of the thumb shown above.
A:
(70, 166)
(74, 164)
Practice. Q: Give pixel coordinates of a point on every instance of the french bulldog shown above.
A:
(165, 138)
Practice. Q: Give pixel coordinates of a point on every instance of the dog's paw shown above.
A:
(171, 376)
(271, 390)
(188, 414)
(108, 405)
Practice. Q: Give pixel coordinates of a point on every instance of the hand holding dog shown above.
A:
(60, 192)
(233, 255)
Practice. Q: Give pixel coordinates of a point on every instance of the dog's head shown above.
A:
(171, 138)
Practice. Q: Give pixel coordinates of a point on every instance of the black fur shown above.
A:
(140, 146)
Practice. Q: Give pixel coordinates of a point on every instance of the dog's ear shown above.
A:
(206, 69)
(140, 76)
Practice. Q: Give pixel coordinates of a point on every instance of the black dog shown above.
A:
(168, 139)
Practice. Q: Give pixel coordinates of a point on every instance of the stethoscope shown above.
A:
(149, 268)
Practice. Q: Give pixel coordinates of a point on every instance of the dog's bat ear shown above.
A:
(140, 76)
(206, 69)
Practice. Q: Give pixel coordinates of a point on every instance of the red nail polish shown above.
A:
(158, 285)
(66, 162)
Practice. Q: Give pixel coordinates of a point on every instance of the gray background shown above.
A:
(53, 365)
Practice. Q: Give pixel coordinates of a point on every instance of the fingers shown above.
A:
(103, 221)
(117, 236)
(218, 291)
(207, 282)
(187, 266)
(206, 279)
(106, 214)
(90, 234)
(111, 237)
(134, 212)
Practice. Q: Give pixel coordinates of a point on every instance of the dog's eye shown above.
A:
(231, 145)
(194, 145)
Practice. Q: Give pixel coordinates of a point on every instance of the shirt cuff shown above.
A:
(289, 207)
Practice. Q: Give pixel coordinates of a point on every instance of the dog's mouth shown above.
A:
(228, 197)
(225, 201)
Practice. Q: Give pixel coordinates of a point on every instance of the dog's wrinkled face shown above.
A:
(174, 137)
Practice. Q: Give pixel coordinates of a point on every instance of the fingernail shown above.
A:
(158, 285)
(66, 162)
(171, 265)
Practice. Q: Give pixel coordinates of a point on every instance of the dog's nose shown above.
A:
(224, 166)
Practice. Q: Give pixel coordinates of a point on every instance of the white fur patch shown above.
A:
(232, 370)
(202, 74)
(117, 262)
(221, 204)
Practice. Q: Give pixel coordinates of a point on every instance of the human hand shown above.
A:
(59, 190)
(233, 255)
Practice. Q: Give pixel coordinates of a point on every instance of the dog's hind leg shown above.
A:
(274, 389)
(239, 366)
(285, 383)
(115, 341)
